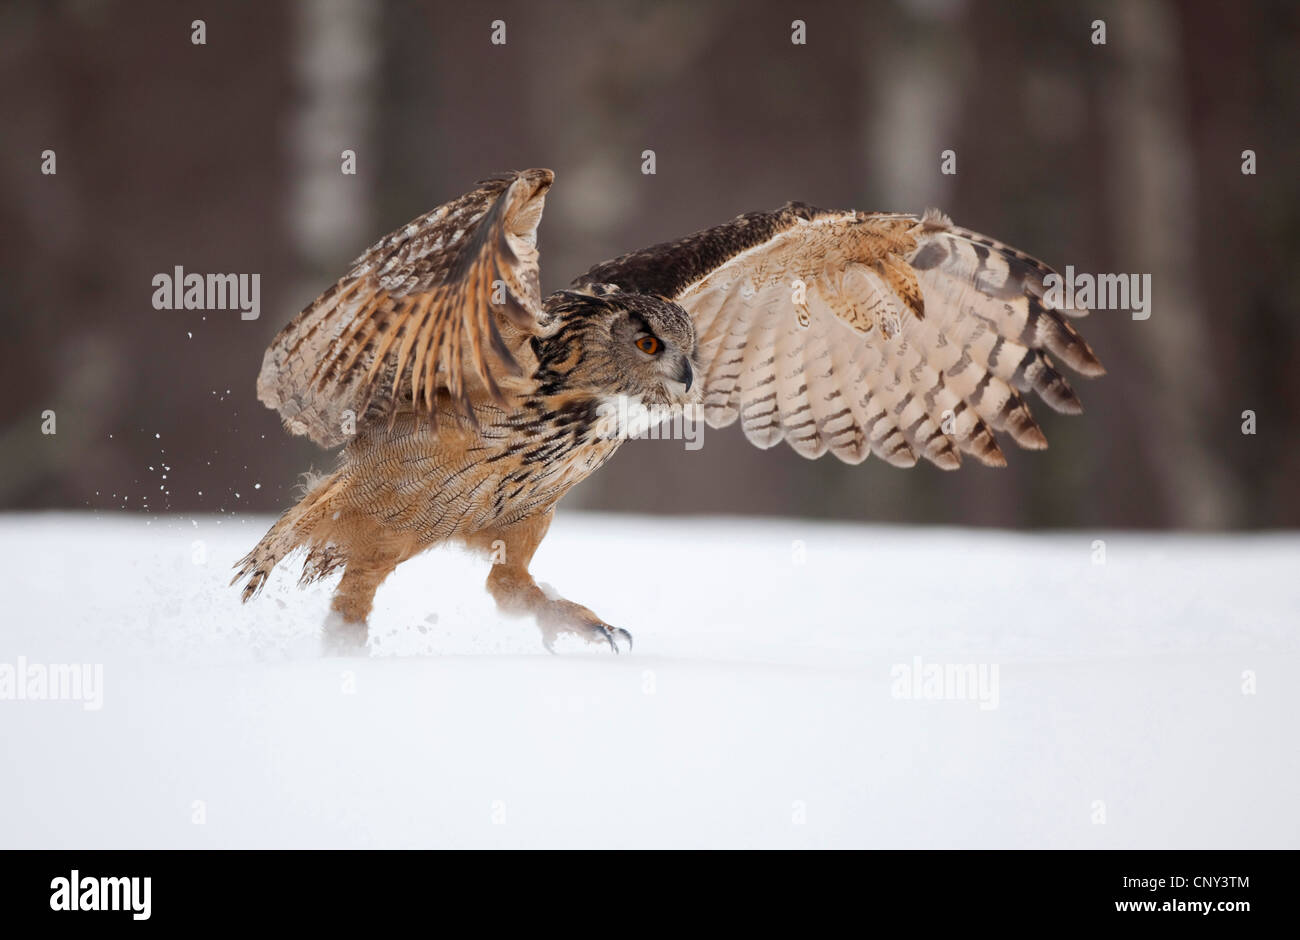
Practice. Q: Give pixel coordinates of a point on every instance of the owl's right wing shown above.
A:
(860, 332)
(417, 314)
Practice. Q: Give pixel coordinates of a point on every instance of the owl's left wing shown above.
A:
(417, 315)
(858, 332)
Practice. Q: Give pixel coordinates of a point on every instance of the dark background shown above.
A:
(1123, 157)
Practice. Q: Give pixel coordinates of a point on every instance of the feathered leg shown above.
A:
(516, 593)
(345, 628)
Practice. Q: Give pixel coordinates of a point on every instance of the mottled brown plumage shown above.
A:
(469, 406)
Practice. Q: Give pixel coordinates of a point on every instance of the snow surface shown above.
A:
(1149, 701)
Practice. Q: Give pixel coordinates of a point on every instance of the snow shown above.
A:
(1147, 701)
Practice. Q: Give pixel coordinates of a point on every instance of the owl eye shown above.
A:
(648, 345)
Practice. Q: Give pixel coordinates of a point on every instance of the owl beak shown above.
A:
(685, 374)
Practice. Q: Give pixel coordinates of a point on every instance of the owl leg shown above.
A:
(513, 588)
(345, 628)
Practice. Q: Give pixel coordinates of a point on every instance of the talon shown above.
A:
(561, 616)
(609, 636)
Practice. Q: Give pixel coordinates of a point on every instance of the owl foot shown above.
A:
(342, 637)
(561, 616)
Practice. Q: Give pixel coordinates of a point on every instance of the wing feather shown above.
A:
(798, 420)
(861, 332)
(444, 304)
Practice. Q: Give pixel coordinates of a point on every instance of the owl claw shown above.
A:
(567, 617)
(595, 632)
(613, 635)
(620, 634)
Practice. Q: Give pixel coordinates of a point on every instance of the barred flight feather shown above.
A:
(912, 338)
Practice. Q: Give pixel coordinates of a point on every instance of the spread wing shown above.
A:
(858, 332)
(417, 314)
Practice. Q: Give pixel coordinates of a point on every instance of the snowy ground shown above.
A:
(1148, 701)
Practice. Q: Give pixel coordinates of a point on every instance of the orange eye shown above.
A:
(648, 345)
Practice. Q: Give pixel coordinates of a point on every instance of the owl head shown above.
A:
(632, 344)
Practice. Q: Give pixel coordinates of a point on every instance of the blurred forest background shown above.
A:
(225, 157)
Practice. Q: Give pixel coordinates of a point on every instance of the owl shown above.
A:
(467, 405)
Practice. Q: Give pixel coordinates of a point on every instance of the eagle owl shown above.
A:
(468, 405)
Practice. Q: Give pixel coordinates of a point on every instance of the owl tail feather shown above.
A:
(304, 524)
